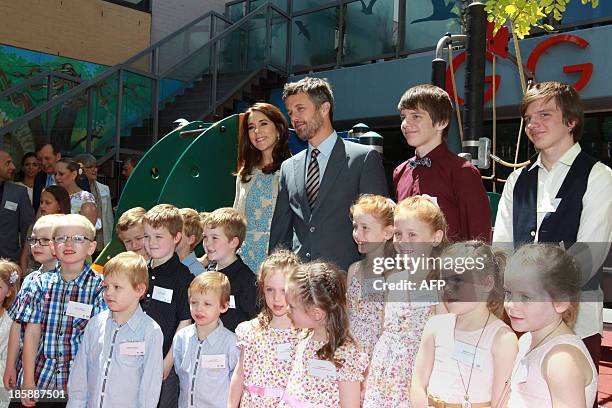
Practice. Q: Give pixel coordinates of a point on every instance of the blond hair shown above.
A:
(47, 221)
(10, 271)
(281, 261)
(377, 206)
(191, 225)
(131, 218)
(69, 220)
(130, 264)
(211, 281)
(231, 221)
(166, 216)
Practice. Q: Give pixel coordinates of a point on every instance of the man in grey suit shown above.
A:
(319, 185)
(16, 212)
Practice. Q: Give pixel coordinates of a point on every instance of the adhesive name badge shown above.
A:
(132, 348)
(79, 310)
(464, 353)
(232, 302)
(214, 361)
(9, 205)
(283, 351)
(162, 294)
(423, 298)
(321, 369)
(521, 374)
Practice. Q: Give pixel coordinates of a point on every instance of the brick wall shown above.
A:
(90, 30)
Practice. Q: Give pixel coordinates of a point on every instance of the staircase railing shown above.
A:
(94, 115)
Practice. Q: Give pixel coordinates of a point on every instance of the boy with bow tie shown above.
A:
(426, 111)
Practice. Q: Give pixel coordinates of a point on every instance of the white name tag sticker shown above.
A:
(232, 302)
(9, 205)
(162, 294)
(79, 310)
(283, 351)
(132, 348)
(214, 361)
(321, 369)
(522, 371)
(423, 298)
(464, 353)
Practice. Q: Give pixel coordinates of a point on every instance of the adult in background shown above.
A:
(128, 166)
(47, 155)
(16, 213)
(101, 192)
(319, 184)
(262, 147)
(81, 201)
(29, 170)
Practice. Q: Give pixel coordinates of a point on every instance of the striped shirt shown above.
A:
(61, 333)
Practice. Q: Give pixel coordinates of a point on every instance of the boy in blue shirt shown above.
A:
(63, 301)
(205, 353)
(126, 367)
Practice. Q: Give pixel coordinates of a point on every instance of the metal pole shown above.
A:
(155, 96)
(474, 79)
(401, 35)
(48, 113)
(267, 57)
(118, 114)
(438, 73)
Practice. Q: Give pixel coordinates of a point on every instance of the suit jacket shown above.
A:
(16, 216)
(39, 184)
(325, 232)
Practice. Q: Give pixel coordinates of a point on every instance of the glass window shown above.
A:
(278, 38)
(235, 11)
(428, 20)
(370, 29)
(299, 5)
(313, 39)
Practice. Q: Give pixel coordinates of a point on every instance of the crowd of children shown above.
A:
(163, 328)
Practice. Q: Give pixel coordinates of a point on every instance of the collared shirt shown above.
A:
(243, 294)
(201, 385)
(325, 149)
(457, 186)
(61, 334)
(195, 267)
(50, 180)
(118, 365)
(166, 300)
(595, 221)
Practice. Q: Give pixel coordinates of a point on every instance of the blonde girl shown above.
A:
(9, 286)
(268, 341)
(466, 355)
(553, 367)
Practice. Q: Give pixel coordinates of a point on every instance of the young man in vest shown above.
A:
(563, 198)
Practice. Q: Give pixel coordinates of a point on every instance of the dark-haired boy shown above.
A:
(455, 183)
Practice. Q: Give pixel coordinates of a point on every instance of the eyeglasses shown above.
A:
(40, 241)
(76, 239)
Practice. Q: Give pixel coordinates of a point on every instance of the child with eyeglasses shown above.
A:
(63, 301)
(40, 246)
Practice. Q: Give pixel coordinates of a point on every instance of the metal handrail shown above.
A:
(35, 78)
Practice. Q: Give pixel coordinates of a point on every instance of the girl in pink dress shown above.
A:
(372, 217)
(466, 355)
(328, 367)
(419, 227)
(268, 341)
(553, 367)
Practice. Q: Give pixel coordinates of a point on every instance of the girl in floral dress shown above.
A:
(267, 342)
(372, 217)
(328, 367)
(419, 226)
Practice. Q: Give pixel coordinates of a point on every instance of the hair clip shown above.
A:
(13, 278)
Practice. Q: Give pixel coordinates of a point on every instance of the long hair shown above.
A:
(73, 166)
(61, 196)
(281, 261)
(248, 155)
(323, 285)
(21, 174)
